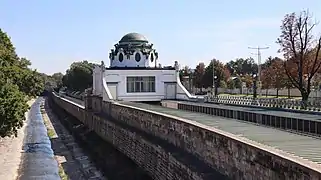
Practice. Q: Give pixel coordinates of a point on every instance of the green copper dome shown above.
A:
(133, 37)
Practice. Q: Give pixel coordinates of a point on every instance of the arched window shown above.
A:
(152, 57)
(121, 57)
(137, 57)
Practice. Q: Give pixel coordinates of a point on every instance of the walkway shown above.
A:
(10, 153)
(303, 146)
(306, 147)
(259, 110)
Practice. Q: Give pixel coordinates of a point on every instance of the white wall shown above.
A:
(131, 62)
(119, 76)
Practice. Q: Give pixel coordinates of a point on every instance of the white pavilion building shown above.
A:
(133, 74)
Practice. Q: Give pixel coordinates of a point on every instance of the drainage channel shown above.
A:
(74, 164)
(112, 163)
(37, 160)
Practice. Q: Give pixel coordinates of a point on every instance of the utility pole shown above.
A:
(259, 64)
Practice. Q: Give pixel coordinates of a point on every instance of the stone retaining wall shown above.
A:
(160, 159)
(232, 156)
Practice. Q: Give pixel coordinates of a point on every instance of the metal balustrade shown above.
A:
(294, 104)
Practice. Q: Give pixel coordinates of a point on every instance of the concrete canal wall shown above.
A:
(174, 148)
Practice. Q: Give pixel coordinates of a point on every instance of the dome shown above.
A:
(133, 37)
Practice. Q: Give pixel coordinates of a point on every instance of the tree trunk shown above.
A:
(289, 96)
(277, 92)
(266, 92)
(304, 102)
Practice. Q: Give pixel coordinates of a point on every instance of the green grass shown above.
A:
(51, 133)
(62, 173)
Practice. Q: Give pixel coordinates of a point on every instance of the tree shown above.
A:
(238, 83)
(220, 72)
(242, 66)
(301, 51)
(16, 81)
(184, 72)
(266, 79)
(57, 77)
(13, 105)
(79, 76)
(248, 79)
(277, 74)
(231, 84)
(198, 75)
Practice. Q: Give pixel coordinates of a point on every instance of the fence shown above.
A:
(294, 104)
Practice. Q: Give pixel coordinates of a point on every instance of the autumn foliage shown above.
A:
(301, 51)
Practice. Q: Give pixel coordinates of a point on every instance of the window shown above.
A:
(121, 57)
(141, 84)
(137, 57)
(152, 57)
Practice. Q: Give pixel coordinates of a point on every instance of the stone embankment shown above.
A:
(112, 163)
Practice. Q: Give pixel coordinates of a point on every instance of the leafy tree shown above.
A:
(301, 52)
(266, 79)
(184, 72)
(231, 84)
(248, 79)
(242, 66)
(79, 76)
(16, 81)
(238, 83)
(13, 105)
(220, 72)
(277, 74)
(198, 75)
(57, 77)
(223, 84)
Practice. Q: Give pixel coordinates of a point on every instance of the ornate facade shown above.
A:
(133, 50)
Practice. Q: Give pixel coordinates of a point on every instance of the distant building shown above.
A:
(135, 74)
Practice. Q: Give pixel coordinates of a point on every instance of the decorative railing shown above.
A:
(280, 103)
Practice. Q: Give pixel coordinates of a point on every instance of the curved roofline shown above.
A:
(133, 37)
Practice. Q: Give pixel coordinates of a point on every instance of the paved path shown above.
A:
(10, 153)
(259, 110)
(306, 147)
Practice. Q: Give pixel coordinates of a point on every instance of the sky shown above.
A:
(53, 34)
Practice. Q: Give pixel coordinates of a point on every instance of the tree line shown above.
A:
(18, 82)
(299, 67)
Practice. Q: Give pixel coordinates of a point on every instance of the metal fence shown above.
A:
(282, 103)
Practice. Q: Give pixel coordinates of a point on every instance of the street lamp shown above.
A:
(191, 76)
(215, 87)
(254, 86)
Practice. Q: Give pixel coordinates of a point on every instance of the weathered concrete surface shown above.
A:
(74, 162)
(10, 152)
(37, 160)
(111, 162)
(236, 157)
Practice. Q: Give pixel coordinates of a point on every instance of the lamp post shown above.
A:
(215, 88)
(254, 86)
(191, 75)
